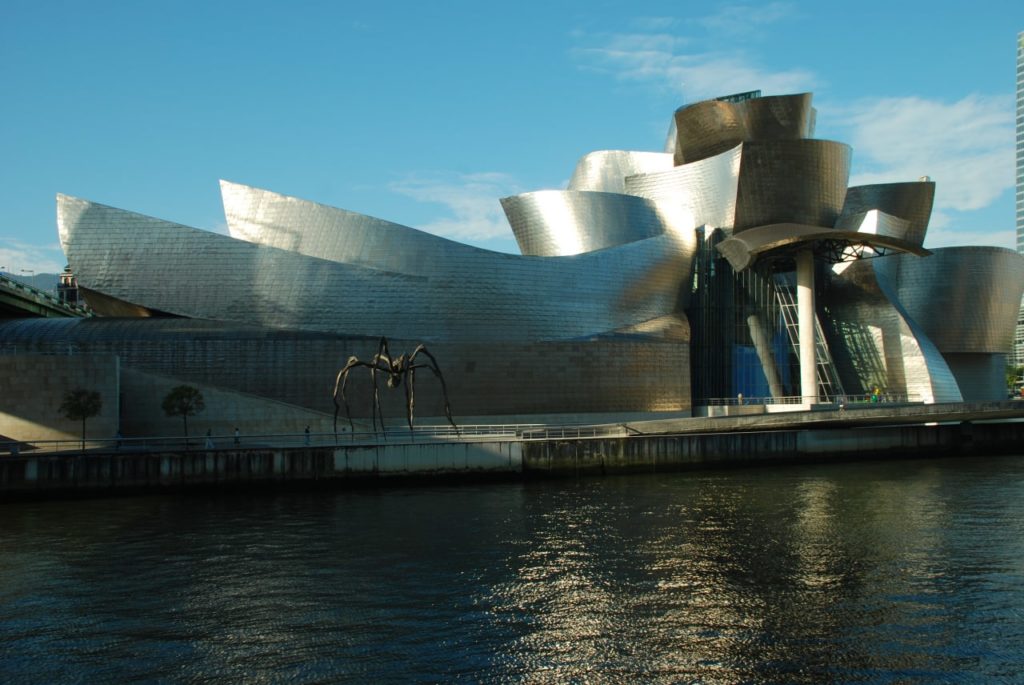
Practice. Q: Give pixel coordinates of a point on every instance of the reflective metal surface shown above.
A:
(911, 202)
(964, 298)
(706, 188)
(877, 223)
(606, 170)
(568, 222)
(743, 249)
(792, 181)
(316, 230)
(187, 272)
(875, 344)
(710, 127)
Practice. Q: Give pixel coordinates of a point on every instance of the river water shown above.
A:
(877, 572)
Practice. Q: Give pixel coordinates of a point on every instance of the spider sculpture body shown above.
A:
(398, 371)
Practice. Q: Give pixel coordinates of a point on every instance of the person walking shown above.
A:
(237, 441)
(307, 435)
(209, 438)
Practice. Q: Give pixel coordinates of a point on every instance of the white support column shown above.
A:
(805, 324)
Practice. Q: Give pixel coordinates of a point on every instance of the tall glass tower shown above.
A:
(1018, 342)
(1020, 142)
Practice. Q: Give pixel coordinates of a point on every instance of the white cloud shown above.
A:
(944, 236)
(743, 19)
(474, 212)
(659, 58)
(24, 259)
(964, 146)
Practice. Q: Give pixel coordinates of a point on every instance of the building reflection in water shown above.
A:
(795, 574)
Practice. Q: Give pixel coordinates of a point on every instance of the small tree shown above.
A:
(184, 401)
(1012, 374)
(81, 405)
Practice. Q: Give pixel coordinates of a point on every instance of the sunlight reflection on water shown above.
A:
(909, 571)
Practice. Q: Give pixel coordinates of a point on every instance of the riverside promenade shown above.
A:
(516, 451)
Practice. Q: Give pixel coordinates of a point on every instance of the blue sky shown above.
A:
(427, 113)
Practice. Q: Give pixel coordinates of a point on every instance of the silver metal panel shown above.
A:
(706, 188)
(711, 127)
(875, 344)
(316, 230)
(877, 223)
(606, 170)
(982, 377)
(179, 270)
(911, 202)
(791, 181)
(546, 223)
(567, 222)
(966, 299)
(743, 249)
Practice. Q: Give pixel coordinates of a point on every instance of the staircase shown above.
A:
(828, 380)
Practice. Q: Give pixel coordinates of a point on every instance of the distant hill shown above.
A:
(46, 282)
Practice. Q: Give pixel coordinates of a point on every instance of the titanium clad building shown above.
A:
(738, 262)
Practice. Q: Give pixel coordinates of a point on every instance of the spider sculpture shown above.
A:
(397, 370)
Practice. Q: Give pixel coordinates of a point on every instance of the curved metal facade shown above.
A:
(792, 181)
(706, 189)
(289, 223)
(606, 170)
(187, 272)
(911, 202)
(877, 223)
(875, 344)
(710, 127)
(742, 250)
(565, 222)
(964, 298)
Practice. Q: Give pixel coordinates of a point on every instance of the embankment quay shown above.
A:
(871, 432)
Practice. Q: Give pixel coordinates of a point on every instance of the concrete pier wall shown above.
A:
(680, 452)
(97, 474)
(116, 472)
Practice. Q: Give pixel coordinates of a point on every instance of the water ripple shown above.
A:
(907, 572)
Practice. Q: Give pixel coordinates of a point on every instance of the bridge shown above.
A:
(18, 299)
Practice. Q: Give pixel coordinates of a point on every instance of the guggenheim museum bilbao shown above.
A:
(737, 262)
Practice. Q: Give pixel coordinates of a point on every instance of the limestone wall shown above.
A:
(32, 388)
(225, 410)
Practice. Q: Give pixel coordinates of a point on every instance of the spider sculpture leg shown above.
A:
(339, 388)
(381, 362)
(410, 397)
(376, 398)
(433, 366)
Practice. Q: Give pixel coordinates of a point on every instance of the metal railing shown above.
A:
(50, 298)
(392, 435)
(839, 400)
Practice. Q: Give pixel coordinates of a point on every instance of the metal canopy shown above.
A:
(833, 245)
